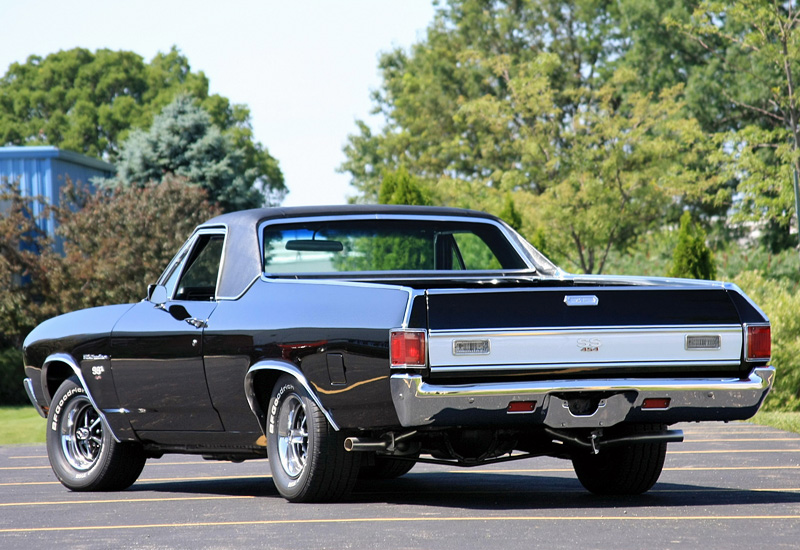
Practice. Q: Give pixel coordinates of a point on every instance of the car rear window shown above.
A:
(387, 245)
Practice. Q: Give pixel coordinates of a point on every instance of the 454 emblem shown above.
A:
(589, 344)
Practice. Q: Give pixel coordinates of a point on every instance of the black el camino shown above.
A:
(352, 342)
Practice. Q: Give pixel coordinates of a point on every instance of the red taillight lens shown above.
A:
(759, 343)
(407, 348)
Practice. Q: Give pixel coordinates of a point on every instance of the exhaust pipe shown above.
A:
(388, 443)
(595, 443)
(363, 444)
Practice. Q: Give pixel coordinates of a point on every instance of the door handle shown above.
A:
(197, 323)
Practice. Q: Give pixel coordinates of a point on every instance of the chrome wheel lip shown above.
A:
(292, 436)
(81, 434)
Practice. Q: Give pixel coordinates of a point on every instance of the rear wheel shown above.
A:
(626, 470)
(81, 449)
(306, 455)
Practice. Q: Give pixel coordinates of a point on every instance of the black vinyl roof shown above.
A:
(242, 252)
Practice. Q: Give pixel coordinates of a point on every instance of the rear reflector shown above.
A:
(521, 406)
(758, 341)
(407, 348)
(656, 403)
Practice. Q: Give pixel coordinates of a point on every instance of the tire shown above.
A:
(385, 467)
(626, 470)
(81, 448)
(306, 455)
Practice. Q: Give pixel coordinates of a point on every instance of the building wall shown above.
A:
(43, 171)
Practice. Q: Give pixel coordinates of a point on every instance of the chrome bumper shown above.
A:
(419, 403)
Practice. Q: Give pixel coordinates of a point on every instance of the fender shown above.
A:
(71, 363)
(286, 368)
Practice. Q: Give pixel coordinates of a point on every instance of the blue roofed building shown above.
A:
(42, 171)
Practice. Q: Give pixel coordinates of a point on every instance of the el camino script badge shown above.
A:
(581, 300)
(471, 347)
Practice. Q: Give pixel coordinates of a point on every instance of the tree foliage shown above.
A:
(26, 263)
(107, 263)
(401, 188)
(755, 47)
(183, 141)
(692, 258)
(90, 102)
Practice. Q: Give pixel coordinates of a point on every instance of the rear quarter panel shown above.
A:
(309, 324)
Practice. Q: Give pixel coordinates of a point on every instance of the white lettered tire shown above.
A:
(306, 455)
(82, 452)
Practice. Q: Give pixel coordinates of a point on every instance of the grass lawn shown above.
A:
(23, 425)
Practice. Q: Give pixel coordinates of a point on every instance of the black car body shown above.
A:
(353, 341)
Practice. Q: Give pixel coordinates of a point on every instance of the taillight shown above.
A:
(758, 343)
(407, 348)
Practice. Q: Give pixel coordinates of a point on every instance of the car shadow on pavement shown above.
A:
(486, 491)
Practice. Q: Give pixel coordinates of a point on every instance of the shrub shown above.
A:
(11, 375)
(780, 300)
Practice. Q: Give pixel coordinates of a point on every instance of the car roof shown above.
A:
(242, 233)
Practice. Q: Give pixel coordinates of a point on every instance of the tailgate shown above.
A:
(587, 332)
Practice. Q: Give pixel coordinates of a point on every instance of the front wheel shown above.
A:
(81, 449)
(626, 470)
(306, 455)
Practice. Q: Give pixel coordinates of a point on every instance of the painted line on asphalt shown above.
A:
(745, 439)
(477, 519)
(149, 480)
(121, 500)
(731, 451)
(676, 469)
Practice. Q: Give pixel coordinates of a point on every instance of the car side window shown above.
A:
(199, 278)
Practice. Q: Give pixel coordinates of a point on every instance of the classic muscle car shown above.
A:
(352, 342)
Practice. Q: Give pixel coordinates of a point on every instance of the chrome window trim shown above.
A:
(506, 231)
(189, 247)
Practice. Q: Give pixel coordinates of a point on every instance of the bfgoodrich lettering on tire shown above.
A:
(81, 449)
(306, 455)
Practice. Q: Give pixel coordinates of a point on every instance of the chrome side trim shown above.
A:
(287, 368)
(28, 383)
(71, 363)
(419, 403)
(612, 364)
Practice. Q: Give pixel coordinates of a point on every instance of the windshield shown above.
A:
(388, 245)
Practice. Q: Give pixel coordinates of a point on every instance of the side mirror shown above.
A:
(157, 294)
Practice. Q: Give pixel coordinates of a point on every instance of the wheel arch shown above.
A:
(261, 378)
(57, 368)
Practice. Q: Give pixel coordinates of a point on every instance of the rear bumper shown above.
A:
(419, 403)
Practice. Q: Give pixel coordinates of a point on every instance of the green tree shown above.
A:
(538, 99)
(692, 258)
(400, 187)
(183, 141)
(90, 102)
(755, 67)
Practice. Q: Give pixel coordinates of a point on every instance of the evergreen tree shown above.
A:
(692, 258)
(184, 141)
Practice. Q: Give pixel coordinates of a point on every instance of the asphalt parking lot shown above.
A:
(728, 485)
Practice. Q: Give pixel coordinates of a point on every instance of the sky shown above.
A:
(304, 67)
